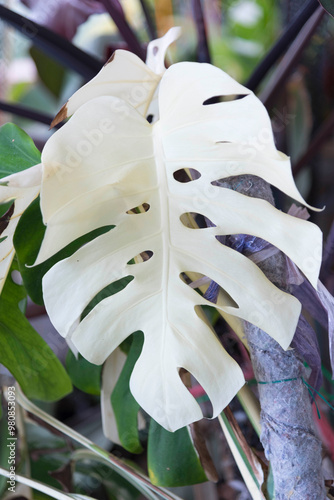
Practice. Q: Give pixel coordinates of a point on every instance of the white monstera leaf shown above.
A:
(132, 164)
(128, 77)
(21, 189)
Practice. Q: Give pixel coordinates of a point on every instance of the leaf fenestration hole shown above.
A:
(6, 210)
(107, 291)
(201, 221)
(196, 391)
(16, 277)
(142, 257)
(139, 210)
(205, 286)
(240, 183)
(186, 175)
(223, 98)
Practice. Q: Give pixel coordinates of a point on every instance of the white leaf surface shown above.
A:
(128, 77)
(133, 164)
(21, 188)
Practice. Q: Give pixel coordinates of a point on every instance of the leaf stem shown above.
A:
(140, 481)
(37, 485)
(52, 44)
(203, 53)
(149, 20)
(288, 35)
(116, 12)
(319, 138)
(25, 112)
(288, 62)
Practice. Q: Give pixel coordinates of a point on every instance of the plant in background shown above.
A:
(148, 197)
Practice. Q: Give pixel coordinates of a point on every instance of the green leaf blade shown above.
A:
(25, 354)
(18, 151)
(172, 459)
(84, 375)
(124, 404)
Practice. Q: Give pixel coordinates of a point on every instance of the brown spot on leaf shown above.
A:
(111, 58)
(60, 116)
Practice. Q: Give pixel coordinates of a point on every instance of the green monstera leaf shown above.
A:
(22, 351)
(21, 176)
(96, 176)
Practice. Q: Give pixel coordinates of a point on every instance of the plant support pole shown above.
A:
(288, 434)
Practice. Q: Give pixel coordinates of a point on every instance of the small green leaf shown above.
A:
(27, 241)
(17, 150)
(328, 5)
(26, 355)
(172, 459)
(50, 72)
(84, 375)
(124, 404)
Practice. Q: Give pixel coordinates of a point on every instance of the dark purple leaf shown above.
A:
(310, 300)
(327, 301)
(328, 257)
(54, 45)
(64, 16)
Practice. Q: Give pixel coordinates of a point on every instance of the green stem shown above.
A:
(140, 481)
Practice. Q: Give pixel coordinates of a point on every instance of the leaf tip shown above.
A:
(60, 116)
(111, 58)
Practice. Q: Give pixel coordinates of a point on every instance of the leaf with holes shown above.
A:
(128, 78)
(201, 128)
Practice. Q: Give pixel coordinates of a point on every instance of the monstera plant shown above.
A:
(123, 185)
(108, 166)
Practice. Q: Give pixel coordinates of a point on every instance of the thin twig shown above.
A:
(38, 486)
(288, 35)
(25, 112)
(203, 53)
(116, 12)
(288, 62)
(322, 134)
(52, 44)
(149, 20)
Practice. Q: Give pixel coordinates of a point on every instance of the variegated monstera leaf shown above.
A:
(108, 160)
